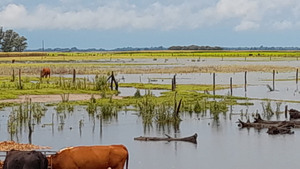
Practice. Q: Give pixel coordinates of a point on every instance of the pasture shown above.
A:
(213, 89)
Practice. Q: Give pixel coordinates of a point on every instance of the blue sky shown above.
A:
(112, 24)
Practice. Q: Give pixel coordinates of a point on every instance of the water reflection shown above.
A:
(23, 118)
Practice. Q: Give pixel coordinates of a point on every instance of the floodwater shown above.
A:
(221, 144)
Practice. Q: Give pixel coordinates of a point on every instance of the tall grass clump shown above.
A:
(216, 108)
(92, 106)
(64, 105)
(23, 116)
(101, 83)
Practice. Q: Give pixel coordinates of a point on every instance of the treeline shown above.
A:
(262, 48)
(191, 47)
(75, 49)
(11, 41)
(195, 47)
(139, 49)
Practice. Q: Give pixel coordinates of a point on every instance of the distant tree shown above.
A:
(194, 47)
(1, 35)
(20, 44)
(10, 41)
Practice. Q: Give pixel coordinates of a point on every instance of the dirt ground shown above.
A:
(52, 98)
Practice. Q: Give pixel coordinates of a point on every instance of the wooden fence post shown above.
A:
(273, 80)
(245, 81)
(174, 83)
(285, 111)
(297, 76)
(230, 86)
(214, 83)
(13, 75)
(112, 81)
(74, 76)
(20, 81)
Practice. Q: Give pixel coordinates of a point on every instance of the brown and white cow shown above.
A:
(90, 157)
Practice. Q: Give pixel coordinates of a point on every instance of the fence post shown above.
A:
(245, 81)
(230, 86)
(13, 75)
(20, 81)
(285, 111)
(174, 83)
(297, 76)
(214, 83)
(273, 79)
(74, 75)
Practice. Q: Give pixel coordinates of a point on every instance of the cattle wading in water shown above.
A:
(25, 160)
(90, 157)
(45, 73)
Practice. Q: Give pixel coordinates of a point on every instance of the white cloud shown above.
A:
(190, 14)
(247, 25)
(282, 25)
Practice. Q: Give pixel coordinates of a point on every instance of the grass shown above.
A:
(75, 56)
(31, 63)
(54, 85)
(181, 87)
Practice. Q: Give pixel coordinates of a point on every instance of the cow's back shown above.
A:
(91, 157)
(25, 160)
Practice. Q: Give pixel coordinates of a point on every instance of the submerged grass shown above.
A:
(179, 87)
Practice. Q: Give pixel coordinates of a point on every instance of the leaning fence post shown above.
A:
(112, 81)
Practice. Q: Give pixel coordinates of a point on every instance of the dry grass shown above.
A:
(9, 145)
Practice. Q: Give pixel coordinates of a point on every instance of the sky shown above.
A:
(110, 24)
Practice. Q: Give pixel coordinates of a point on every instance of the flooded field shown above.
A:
(220, 143)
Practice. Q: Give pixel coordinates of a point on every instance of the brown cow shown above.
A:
(90, 157)
(45, 72)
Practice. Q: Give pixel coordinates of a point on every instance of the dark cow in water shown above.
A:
(90, 157)
(45, 72)
(25, 160)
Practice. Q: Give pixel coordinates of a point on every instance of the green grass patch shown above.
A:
(71, 56)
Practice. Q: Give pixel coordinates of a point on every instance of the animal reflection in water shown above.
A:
(90, 157)
(45, 73)
(25, 160)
